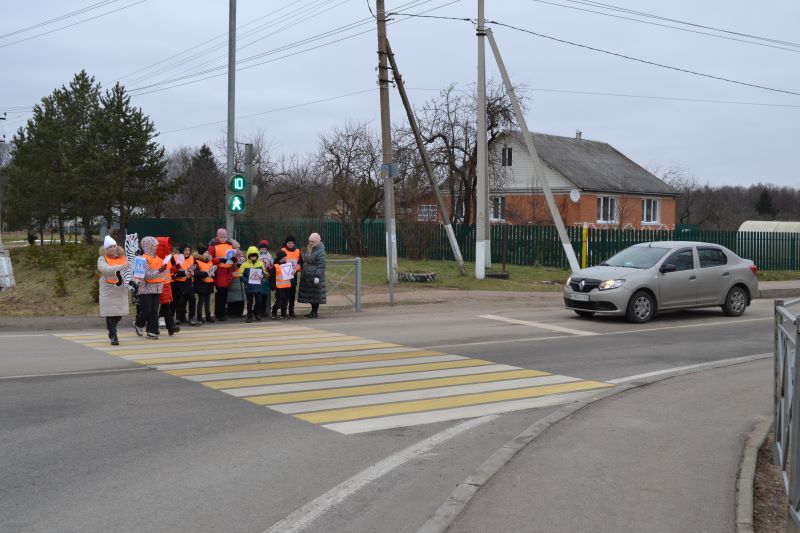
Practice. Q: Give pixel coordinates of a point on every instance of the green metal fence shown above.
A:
(518, 245)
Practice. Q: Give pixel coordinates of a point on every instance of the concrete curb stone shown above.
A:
(465, 491)
(747, 473)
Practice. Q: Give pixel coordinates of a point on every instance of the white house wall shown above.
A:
(521, 176)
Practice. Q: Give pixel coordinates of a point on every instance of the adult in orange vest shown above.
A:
(183, 286)
(113, 293)
(295, 257)
(223, 252)
(150, 290)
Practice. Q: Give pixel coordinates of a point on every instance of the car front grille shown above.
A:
(590, 306)
(588, 284)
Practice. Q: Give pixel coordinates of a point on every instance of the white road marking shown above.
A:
(670, 370)
(442, 415)
(541, 325)
(307, 514)
(274, 359)
(244, 351)
(499, 341)
(418, 394)
(231, 342)
(324, 368)
(369, 380)
(78, 373)
(731, 322)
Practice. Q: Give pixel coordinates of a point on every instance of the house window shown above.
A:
(498, 207)
(607, 209)
(651, 211)
(506, 156)
(426, 213)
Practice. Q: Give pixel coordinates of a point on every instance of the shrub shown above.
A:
(61, 287)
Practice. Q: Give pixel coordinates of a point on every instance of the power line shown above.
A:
(645, 61)
(59, 18)
(71, 25)
(612, 7)
(795, 50)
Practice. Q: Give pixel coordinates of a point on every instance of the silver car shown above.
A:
(650, 277)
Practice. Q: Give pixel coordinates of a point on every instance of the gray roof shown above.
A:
(593, 165)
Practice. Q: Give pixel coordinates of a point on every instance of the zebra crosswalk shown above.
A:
(344, 383)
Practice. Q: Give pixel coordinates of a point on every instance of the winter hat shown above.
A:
(149, 245)
(290, 238)
(314, 239)
(108, 242)
(201, 249)
(263, 244)
(280, 255)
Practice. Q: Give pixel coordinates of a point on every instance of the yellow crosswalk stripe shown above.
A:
(182, 339)
(234, 343)
(339, 374)
(325, 394)
(250, 355)
(309, 362)
(218, 330)
(355, 413)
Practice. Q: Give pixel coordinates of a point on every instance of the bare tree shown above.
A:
(350, 157)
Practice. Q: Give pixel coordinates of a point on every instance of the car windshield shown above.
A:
(637, 257)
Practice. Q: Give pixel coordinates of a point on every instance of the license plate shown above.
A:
(579, 297)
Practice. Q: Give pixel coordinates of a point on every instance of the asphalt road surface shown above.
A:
(353, 423)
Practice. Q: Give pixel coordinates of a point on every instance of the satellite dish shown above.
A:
(575, 195)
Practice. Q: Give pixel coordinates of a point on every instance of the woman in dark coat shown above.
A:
(312, 282)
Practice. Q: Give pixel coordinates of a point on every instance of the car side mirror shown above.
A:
(668, 267)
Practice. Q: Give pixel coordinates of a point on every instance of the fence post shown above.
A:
(358, 284)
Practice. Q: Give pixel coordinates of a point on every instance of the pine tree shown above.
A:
(764, 205)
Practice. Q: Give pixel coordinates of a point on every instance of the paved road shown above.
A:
(338, 418)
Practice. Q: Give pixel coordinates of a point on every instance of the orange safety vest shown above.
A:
(205, 266)
(293, 256)
(281, 281)
(185, 266)
(168, 271)
(220, 250)
(114, 261)
(153, 263)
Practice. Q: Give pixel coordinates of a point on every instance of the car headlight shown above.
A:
(611, 284)
(569, 280)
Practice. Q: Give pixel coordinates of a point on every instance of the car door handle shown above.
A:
(692, 278)
(726, 275)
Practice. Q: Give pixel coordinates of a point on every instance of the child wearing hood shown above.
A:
(266, 285)
(253, 272)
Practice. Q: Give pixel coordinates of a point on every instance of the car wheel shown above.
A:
(585, 314)
(735, 302)
(641, 308)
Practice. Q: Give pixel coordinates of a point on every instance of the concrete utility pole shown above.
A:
(231, 168)
(387, 168)
(426, 161)
(537, 163)
(483, 246)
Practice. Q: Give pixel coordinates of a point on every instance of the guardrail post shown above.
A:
(358, 284)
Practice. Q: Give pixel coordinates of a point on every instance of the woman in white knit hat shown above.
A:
(113, 293)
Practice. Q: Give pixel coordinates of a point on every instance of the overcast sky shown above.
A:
(722, 143)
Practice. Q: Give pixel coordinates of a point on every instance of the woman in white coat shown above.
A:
(113, 293)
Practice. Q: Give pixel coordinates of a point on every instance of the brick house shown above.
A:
(592, 182)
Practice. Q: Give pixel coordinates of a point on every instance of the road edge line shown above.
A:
(447, 513)
(747, 474)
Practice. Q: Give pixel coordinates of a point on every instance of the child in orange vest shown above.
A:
(284, 273)
(204, 283)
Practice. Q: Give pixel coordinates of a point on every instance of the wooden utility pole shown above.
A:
(387, 168)
(483, 247)
(426, 161)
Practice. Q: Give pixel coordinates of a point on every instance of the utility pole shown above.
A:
(229, 220)
(537, 163)
(483, 251)
(387, 168)
(426, 161)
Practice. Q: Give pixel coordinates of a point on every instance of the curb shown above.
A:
(465, 491)
(747, 473)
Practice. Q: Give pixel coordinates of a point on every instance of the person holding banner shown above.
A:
(152, 275)
(295, 257)
(113, 293)
(253, 273)
(284, 273)
(266, 285)
(183, 285)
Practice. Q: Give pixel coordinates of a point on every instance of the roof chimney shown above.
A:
(578, 134)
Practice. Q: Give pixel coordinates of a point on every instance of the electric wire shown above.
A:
(59, 18)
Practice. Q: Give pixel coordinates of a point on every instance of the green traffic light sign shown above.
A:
(236, 203)
(237, 183)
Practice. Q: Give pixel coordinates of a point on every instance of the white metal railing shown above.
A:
(787, 404)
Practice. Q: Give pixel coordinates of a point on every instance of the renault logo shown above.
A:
(582, 284)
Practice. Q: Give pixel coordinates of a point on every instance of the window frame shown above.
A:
(506, 156)
(614, 201)
(501, 205)
(714, 249)
(653, 202)
(431, 210)
(675, 253)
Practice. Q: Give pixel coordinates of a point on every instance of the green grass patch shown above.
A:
(778, 275)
